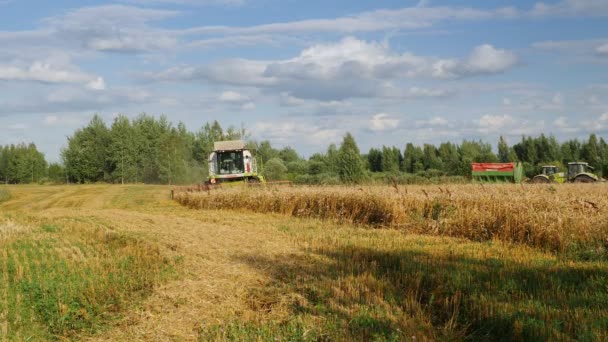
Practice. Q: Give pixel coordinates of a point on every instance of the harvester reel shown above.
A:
(584, 179)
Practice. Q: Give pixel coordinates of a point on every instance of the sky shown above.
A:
(303, 73)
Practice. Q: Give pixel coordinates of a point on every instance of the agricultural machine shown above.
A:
(497, 172)
(230, 162)
(578, 172)
(549, 174)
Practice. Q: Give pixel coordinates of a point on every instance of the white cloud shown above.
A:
(487, 59)
(110, 28)
(110, 14)
(286, 100)
(232, 41)
(50, 120)
(248, 106)
(408, 18)
(494, 123)
(75, 99)
(383, 122)
(233, 97)
(418, 92)
(48, 73)
(602, 50)
(558, 100)
(350, 68)
(562, 124)
(371, 21)
(484, 59)
(593, 124)
(298, 132)
(587, 50)
(571, 8)
(97, 84)
(438, 121)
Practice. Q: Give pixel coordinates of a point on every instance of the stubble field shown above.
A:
(488, 262)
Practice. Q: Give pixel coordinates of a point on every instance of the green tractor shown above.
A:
(578, 172)
(549, 174)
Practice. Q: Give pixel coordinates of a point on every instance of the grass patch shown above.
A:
(50, 228)
(61, 286)
(5, 195)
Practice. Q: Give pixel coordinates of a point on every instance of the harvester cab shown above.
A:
(580, 172)
(232, 161)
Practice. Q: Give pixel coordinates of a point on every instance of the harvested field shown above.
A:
(217, 274)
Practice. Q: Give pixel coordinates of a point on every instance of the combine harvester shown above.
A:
(230, 164)
(497, 172)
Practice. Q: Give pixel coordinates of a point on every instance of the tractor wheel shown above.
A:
(540, 180)
(584, 179)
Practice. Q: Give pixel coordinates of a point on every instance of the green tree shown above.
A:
(591, 152)
(374, 158)
(430, 158)
(450, 158)
(503, 150)
(86, 157)
(56, 173)
(275, 169)
(349, 164)
(289, 155)
(391, 158)
(22, 164)
(413, 159)
(123, 150)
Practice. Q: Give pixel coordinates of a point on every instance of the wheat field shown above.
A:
(127, 263)
(557, 218)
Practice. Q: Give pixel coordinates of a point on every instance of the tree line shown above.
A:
(153, 150)
(22, 164)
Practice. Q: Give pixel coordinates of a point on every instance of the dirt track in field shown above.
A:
(212, 283)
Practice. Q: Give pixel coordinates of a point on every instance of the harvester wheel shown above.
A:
(584, 179)
(540, 180)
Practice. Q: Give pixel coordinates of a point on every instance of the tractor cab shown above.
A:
(581, 172)
(549, 170)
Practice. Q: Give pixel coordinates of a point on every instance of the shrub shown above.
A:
(275, 169)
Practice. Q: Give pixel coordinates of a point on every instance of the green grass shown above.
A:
(62, 285)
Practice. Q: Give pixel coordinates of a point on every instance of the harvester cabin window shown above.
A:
(230, 163)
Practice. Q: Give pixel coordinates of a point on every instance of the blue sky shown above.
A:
(302, 73)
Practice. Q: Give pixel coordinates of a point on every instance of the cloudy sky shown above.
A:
(302, 73)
